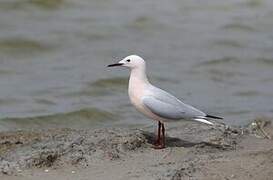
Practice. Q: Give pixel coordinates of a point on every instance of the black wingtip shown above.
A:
(214, 117)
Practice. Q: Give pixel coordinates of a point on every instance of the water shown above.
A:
(215, 55)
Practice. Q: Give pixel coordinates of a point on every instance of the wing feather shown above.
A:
(168, 106)
(162, 109)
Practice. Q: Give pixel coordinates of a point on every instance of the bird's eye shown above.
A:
(128, 60)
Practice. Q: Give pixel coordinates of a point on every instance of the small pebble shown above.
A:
(46, 170)
(73, 172)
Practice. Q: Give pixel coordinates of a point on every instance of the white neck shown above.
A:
(138, 75)
(137, 83)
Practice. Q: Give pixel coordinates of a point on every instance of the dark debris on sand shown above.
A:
(55, 148)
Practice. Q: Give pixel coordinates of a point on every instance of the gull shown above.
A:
(156, 103)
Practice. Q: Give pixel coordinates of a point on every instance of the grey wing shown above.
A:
(162, 109)
(168, 106)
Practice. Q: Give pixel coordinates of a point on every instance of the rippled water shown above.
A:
(215, 55)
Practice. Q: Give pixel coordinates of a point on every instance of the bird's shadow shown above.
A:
(170, 141)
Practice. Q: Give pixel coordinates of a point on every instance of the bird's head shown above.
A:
(132, 61)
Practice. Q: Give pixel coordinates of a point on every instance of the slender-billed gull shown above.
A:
(156, 103)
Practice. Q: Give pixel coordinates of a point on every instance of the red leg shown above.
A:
(163, 136)
(157, 142)
(160, 141)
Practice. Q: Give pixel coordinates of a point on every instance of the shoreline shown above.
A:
(194, 151)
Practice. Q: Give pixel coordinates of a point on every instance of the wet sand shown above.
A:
(193, 151)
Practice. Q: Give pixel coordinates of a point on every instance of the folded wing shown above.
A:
(163, 109)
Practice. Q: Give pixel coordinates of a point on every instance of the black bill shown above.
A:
(116, 64)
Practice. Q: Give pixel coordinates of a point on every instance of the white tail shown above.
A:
(200, 119)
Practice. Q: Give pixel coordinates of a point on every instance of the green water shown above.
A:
(215, 55)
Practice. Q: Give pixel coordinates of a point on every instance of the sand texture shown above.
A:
(194, 151)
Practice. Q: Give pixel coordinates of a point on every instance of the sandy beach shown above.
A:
(64, 115)
(193, 151)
